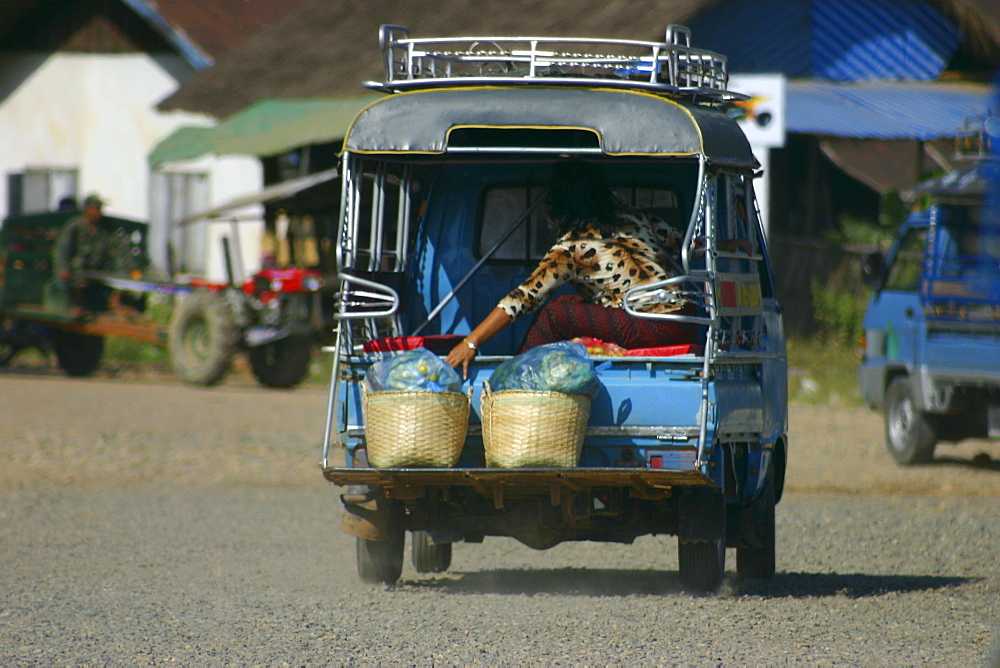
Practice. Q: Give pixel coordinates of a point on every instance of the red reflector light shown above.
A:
(656, 462)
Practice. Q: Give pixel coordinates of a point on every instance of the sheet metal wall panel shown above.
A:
(758, 35)
(883, 109)
(842, 40)
(889, 39)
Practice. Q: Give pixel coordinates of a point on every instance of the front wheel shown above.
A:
(78, 355)
(908, 432)
(428, 556)
(283, 363)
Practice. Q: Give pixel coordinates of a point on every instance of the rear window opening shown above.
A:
(528, 139)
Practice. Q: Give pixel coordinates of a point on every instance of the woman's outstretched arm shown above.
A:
(463, 353)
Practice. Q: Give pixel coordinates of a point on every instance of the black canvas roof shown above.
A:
(627, 122)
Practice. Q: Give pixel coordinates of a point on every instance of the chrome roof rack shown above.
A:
(671, 67)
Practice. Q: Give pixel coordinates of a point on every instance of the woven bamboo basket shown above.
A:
(524, 428)
(419, 428)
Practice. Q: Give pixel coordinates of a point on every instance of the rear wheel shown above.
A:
(9, 346)
(202, 339)
(428, 556)
(78, 354)
(908, 432)
(283, 363)
(7, 353)
(757, 560)
(702, 563)
(381, 561)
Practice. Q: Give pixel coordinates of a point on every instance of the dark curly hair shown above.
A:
(580, 197)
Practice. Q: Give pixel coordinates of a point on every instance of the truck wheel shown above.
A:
(430, 557)
(7, 353)
(908, 432)
(381, 561)
(283, 363)
(702, 563)
(78, 354)
(9, 348)
(758, 561)
(202, 339)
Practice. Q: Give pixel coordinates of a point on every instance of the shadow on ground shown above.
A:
(981, 461)
(610, 582)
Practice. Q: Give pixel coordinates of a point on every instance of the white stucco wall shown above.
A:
(96, 113)
(229, 177)
(92, 112)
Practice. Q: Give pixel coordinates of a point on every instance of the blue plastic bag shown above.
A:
(412, 370)
(563, 366)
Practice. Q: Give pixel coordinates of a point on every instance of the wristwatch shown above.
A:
(472, 346)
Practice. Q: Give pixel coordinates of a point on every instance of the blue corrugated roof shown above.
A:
(842, 40)
(758, 35)
(888, 39)
(882, 109)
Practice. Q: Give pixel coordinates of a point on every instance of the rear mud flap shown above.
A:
(701, 515)
(368, 520)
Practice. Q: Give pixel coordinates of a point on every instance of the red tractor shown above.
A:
(276, 316)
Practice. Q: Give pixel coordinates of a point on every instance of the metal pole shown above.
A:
(334, 391)
(448, 297)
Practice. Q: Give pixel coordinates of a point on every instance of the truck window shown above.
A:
(503, 205)
(903, 273)
(501, 208)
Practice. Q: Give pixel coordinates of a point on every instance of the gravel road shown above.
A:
(145, 522)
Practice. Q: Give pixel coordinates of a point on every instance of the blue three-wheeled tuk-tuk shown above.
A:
(443, 213)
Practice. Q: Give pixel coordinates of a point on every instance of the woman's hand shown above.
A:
(461, 354)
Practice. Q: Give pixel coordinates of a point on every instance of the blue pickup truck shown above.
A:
(931, 359)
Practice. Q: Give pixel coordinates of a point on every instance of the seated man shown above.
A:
(84, 244)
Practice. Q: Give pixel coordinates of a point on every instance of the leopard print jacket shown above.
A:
(602, 269)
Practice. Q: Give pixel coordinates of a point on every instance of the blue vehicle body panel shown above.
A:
(942, 328)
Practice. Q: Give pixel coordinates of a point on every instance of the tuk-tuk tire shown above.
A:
(381, 561)
(428, 556)
(283, 363)
(78, 355)
(203, 338)
(758, 561)
(702, 563)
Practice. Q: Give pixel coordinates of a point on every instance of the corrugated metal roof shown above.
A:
(269, 127)
(326, 48)
(889, 39)
(883, 109)
(759, 35)
(842, 40)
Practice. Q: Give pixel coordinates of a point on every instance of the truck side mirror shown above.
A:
(873, 270)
